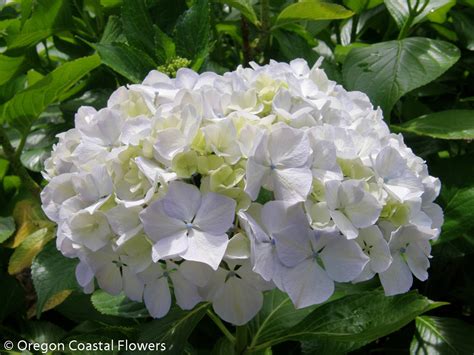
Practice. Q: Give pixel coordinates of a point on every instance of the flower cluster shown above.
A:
(217, 188)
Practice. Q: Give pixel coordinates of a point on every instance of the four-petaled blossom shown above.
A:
(281, 163)
(189, 225)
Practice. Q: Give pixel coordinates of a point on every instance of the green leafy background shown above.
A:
(413, 58)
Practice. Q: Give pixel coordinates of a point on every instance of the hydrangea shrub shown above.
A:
(216, 188)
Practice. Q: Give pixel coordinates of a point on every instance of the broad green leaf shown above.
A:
(78, 308)
(458, 215)
(129, 62)
(51, 273)
(436, 335)
(118, 305)
(356, 319)
(27, 105)
(137, 26)
(292, 45)
(11, 294)
(223, 346)
(309, 10)
(23, 256)
(11, 87)
(174, 329)
(7, 228)
(400, 10)
(388, 70)
(275, 318)
(48, 17)
(451, 124)
(193, 32)
(245, 7)
(361, 5)
(113, 32)
(10, 67)
(341, 52)
(464, 25)
(43, 332)
(165, 49)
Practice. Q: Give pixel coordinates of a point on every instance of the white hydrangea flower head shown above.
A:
(216, 188)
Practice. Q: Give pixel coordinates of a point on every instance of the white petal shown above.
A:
(238, 247)
(397, 278)
(344, 224)
(278, 215)
(157, 298)
(132, 286)
(110, 279)
(84, 274)
(343, 260)
(254, 177)
(216, 213)
(307, 284)
(417, 261)
(186, 293)
(158, 224)
(237, 302)
(364, 213)
(389, 162)
(197, 273)
(205, 248)
(380, 257)
(170, 247)
(169, 142)
(182, 201)
(332, 194)
(289, 147)
(292, 184)
(293, 245)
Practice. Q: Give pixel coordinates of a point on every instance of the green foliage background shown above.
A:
(414, 58)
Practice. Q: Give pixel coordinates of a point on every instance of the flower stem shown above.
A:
(14, 156)
(241, 336)
(221, 326)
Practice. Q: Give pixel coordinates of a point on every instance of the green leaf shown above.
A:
(275, 318)
(400, 10)
(23, 256)
(464, 25)
(174, 329)
(137, 26)
(11, 294)
(51, 273)
(451, 124)
(458, 215)
(436, 335)
(292, 45)
(43, 332)
(48, 17)
(356, 319)
(388, 70)
(193, 32)
(309, 10)
(113, 31)
(118, 305)
(27, 105)
(245, 7)
(361, 5)
(165, 49)
(341, 52)
(7, 228)
(10, 67)
(129, 62)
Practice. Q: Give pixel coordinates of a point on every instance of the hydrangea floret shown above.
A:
(217, 188)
